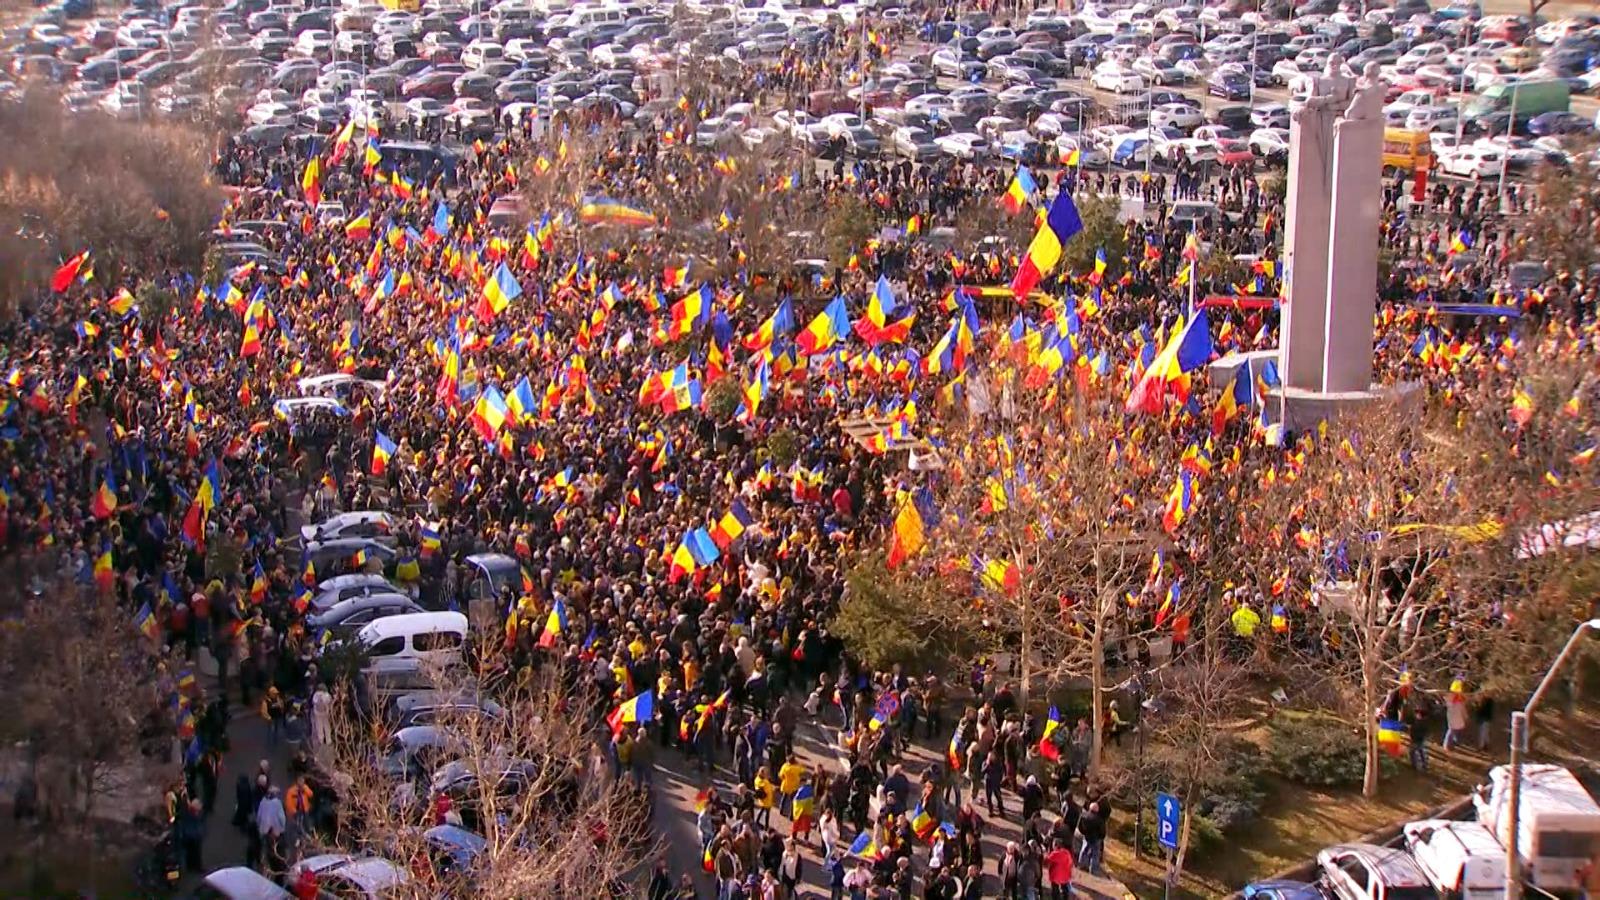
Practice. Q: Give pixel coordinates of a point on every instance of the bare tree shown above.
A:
(59, 650)
(526, 778)
(1058, 553)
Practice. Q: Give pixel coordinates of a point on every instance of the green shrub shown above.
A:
(784, 447)
(1319, 753)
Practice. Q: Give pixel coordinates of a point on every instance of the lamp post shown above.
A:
(1519, 740)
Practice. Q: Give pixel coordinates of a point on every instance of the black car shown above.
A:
(1229, 87)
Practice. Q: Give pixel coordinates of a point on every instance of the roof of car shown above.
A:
(241, 883)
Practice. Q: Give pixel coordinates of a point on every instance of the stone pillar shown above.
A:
(1308, 223)
(1353, 244)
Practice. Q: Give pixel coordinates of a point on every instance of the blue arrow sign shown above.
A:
(1168, 811)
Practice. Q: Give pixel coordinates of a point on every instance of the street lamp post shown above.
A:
(1519, 740)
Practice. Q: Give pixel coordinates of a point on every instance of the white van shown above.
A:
(1558, 828)
(1464, 860)
(398, 646)
(593, 15)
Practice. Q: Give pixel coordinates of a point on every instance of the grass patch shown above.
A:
(1296, 821)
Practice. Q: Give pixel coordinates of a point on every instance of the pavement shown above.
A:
(676, 783)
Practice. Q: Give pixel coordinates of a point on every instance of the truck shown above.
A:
(1558, 826)
(1529, 97)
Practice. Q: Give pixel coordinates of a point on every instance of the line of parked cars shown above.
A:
(1558, 838)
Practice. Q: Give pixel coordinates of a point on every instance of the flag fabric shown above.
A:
(555, 624)
(732, 524)
(864, 846)
(755, 390)
(105, 577)
(1179, 501)
(800, 809)
(1047, 745)
(1186, 351)
(498, 292)
(911, 526)
(642, 708)
(923, 824)
(68, 272)
(1058, 227)
(489, 414)
(779, 324)
(145, 621)
(1235, 398)
(383, 450)
(876, 329)
(311, 182)
(1391, 736)
(1019, 194)
(105, 499)
(830, 325)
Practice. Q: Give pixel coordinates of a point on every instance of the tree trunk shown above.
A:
(1024, 654)
(1097, 664)
(1183, 839)
(1369, 701)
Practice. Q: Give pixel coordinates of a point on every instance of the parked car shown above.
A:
(1370, 872)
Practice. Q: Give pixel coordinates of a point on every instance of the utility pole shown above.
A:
(1519, 742)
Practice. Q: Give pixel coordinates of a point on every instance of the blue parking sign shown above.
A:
(1168, 811)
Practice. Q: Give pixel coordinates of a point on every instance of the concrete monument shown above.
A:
(1331, 241)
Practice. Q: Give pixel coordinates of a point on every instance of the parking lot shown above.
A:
(1129, 84)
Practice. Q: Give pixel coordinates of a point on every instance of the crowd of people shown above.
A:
(530, 407)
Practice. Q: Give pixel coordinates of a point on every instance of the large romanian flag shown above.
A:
(1060, 224)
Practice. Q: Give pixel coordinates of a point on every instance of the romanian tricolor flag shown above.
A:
(1235, 398)
(1047, 745)
(311, 182)
(642, 708)
(68, 272)
(383, 450)
(105, 577)
(258, 585)
(555, 624)
(911, 527)
(1391, 736)
(733, 523)
(830, 325)
(779, 324)
(489, 414)
(1058, 227)
(104, 504)
(359, 228)
(1019, 195)
(498, 292)
(145, 621)
(865, 847)
(1179, 501)
(1188, 349)
(923, 825)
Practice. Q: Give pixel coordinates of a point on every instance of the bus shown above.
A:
(1406, 151)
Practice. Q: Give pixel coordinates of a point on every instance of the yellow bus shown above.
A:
(1406, 151)
(409, 6)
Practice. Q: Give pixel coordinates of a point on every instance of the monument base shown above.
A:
(1222, 370)
(1297, 410)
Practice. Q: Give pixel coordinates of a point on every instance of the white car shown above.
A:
(1270, 143)
(1051, 125)
(1470, 161)
(838, 124)
(359, 523)
(422, 111)
(1117, 80)
(1285, 71)
(963, 145)
(1433, 118)
(342, 875)
(480, 52)
(314, 42)
(1176, 115)
(262, 113)
(931, 104)
(1192, 149)
(1088, 155)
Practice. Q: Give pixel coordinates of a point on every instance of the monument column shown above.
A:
(1353, 243)
(1307, 223)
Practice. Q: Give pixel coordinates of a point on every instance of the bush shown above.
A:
(135, 193)
(783, 445)
(1319, 753)
(1234, 797)
(723, 399)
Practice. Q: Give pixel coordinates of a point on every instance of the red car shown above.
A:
(1234, 152)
